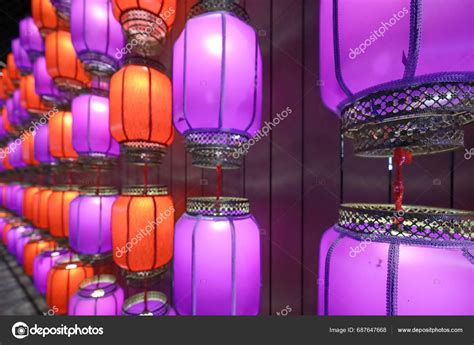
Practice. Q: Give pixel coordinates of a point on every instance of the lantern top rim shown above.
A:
(107, 283)
(222, 207)
(210, 6)
(156, 296)
(142, 190)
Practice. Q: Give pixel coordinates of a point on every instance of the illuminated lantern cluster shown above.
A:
(217, 79)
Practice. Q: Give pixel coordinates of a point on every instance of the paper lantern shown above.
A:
(29, 99)
(33, 249)
(399, 77)
(3, 131)
(28, 151)
(414, 260)
(90, 223)
(3, 89)
(30, 38)
(142, 230)
(217, 84)
(6, 121)
(155, 304)
(18, 199)
(41, 209)
(96, 36)
(62, 63)
(22, 240)
(91, 136)
(28, 201)
(97, 296)
(22, 61)
(41, 146)
(45, 87)
(63, 282)
(5, 218)
(8, 82)
(60, 136)
(217, 261)
(43, 263)
(17, 115)
(140, 112)
(15, 155)
(13, 72)
(44, 15)
(58, 211)
(146, 22)
(13, 233)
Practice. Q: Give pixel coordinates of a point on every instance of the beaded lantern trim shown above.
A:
(205, 6)
(141, 152)
(150, 190)
(151, 296)
(426, 118)
(107, 283)
(222, 207)
(209, 149)
(416, 222)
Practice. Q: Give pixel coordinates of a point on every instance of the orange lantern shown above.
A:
(29, 98)
(28, 150)
(62, 62)
(13, 71)
(58, 211)
(60, 136)
(63, 282)
(140, 111)
(13, 223)
(3, 87)
(146, 21)
(6, 122)
(32, 250)
(5, 161)
(28, 201)
(40, 208)
(8, 82)
(142, 229)
(44, 15)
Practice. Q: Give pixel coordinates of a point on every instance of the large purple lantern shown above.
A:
(22, 238)
(90, 217)
(91, 136)
(14, 234)
(22, 61)
(217, 84)
(18, 200)
(44, 84)
(42, 151)
(97, 296)
(43, 264)
(96, 35)
(376, 261)
(16, 114)
(217, 259)
(30, 38)
(401, 76)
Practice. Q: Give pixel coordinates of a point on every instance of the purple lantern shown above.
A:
(217, 85)
(10, 196)
(22, 238)
(405, 68)
(91, 136)
(30, 38)
(18, 200)
(14, 234)
(97, 296)
(45, 86)
(155, 304)
(90, 223)
(3, 131)
(43, 264)
(96, 35)
(22, 61)
(15, 157)
(42, 152)
(17, 115)
(376, 261)
(217, 259)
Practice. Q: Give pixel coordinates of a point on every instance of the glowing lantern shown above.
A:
(154, 304)
(142, 229)
(22, 61)
(28, 201)
(96, 36)
(13, 72)
(30, 100)
(45, 87)
(28, 150)
(44, 15)
(217, 83)
(60, 136)
(43, 263)
(140, 112)
(40, 209)
(22, 240)
(8, 82)
(97, 296)
(33, 249)
(30, 38)
(41, 146)
(58, 211)
(63, 282)
(62, 63)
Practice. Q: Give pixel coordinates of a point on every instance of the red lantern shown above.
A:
(8, 82)
(33, 249)
(58, 212)
(60, 136)
(44, 15)
(40, 209)
(13, 72)
(140, 111)
(29, 98)
(142, 229)
(28, 150)
(28, 202)
(63, 282)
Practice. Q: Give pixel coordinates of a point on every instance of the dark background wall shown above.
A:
(293, 176)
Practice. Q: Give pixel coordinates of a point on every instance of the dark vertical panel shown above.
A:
(463, 173)
(321, 162)
(257, 169)
(286, 157)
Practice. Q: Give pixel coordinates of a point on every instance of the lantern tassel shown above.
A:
(400, 157)
(218, 185)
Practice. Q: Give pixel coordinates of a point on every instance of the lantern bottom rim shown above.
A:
(141, 152)
(98, 64)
